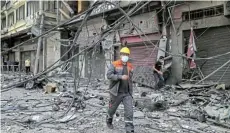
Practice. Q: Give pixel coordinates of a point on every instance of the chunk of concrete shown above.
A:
(30, 85)
(50, 88)
(221, 113)
(67, 118)
(139, 114)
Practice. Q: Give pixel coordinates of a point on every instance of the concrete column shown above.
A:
(176, 48)
(26, 9)
(17, 55)
(36, 69)
(15, 17)
(57, 11)
(6, 19)
(41, 7)
(53, 48)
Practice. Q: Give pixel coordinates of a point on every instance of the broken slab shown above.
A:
(30, 84)
(67, 118)
(218, 112)
(50, 88)
(188, 86)
(139, 115)
(145, 76)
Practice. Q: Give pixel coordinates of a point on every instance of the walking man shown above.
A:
(27, 65)
(120, 88)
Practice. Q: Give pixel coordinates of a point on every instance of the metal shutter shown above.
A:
(143, 58)
(143, 55)
(212, 42)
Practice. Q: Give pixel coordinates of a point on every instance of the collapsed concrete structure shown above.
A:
(75, 56)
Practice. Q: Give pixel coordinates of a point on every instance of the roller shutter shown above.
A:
(143, 56)
(212, 42)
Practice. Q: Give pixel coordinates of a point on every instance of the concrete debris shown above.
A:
(67, 118)
(156, 110)
(220, 86)
(189, 86)
(50, 88)
(57, 101)
(218, 112)
(30, 85)
(139, 115)
(55, 107)
(23, 107)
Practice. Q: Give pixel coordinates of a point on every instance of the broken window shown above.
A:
(50, 6)
(203, 13)
(32, 7)
(148, 8)
(20, 13)
(3, 23)
(11, 19)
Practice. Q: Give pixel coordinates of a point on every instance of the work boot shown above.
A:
(109, 122)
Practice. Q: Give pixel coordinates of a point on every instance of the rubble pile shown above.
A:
(180, 108)
(12, 78)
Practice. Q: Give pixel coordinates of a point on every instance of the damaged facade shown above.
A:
(20, 22)
(72, 95)
(21, 19)
(96, 62)
(210, 21)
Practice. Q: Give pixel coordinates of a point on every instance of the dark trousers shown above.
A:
(28, 69)
(127, 101)
(161, 81)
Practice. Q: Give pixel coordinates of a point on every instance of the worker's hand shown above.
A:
(124, 77)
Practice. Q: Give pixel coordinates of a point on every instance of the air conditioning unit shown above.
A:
(227, 8)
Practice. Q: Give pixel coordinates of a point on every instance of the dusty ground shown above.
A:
(32, 111)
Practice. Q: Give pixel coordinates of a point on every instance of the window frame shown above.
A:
(20, 13)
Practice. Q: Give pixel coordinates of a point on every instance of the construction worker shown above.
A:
(120, 88)
(27, 65)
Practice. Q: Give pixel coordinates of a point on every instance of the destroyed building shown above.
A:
(71, 44)
(21, 19)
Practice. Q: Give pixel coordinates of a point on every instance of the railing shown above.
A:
(8, 68)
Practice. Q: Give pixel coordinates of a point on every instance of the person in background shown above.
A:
(27, 65)
(8, 65)
(157, 69)
(16, 63)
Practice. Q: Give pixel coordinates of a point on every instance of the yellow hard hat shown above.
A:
(125, 50)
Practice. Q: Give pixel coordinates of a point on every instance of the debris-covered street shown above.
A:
(109, 66)
(202, 109)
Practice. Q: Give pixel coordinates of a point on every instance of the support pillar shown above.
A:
(36, 66)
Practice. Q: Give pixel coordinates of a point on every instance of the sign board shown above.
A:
(104, 7)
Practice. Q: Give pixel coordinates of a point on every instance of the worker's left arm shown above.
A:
(112, 75)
